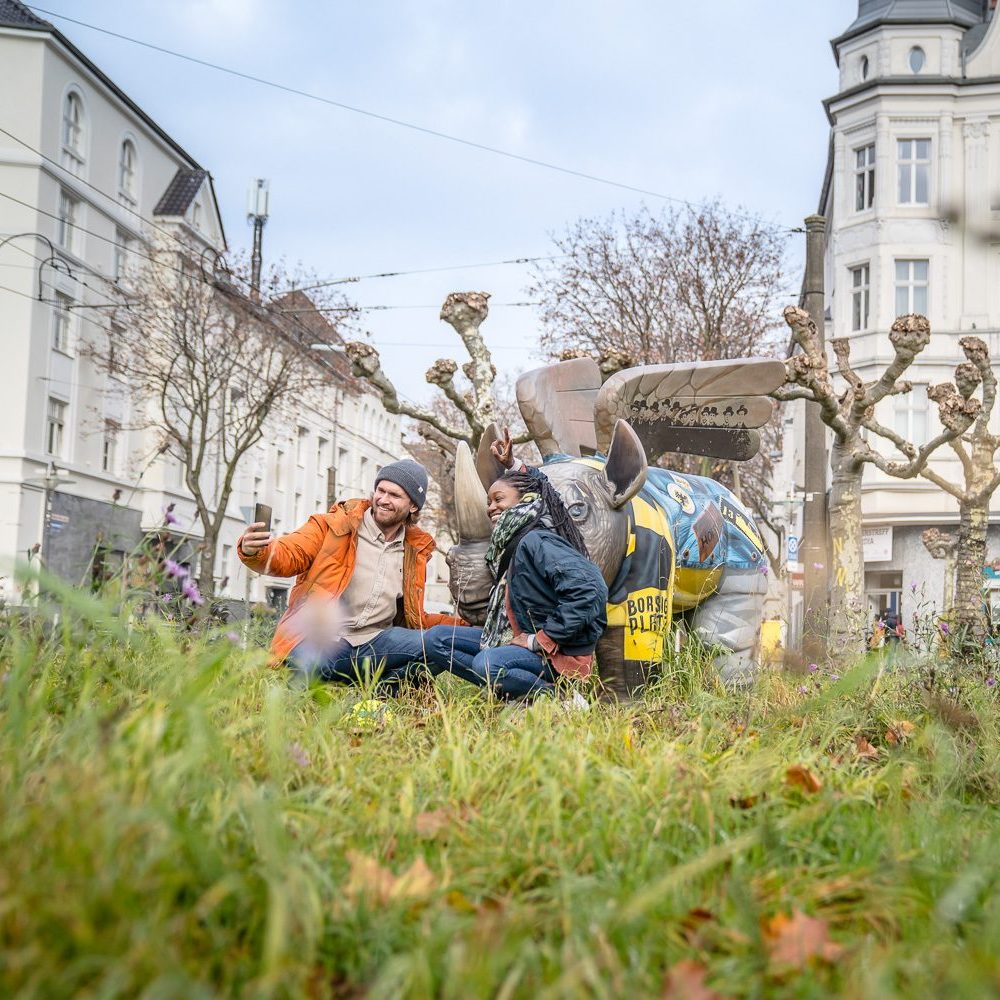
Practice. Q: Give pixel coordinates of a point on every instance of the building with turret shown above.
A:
(911, 195)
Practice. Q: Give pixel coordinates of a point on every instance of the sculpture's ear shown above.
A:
(488, 468)
(626, 466)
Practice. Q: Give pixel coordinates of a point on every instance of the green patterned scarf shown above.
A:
(510, 526)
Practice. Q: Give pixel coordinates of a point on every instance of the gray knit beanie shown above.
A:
(409, 475)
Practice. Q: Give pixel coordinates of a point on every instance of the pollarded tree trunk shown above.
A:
(970, 558)
(847, 576)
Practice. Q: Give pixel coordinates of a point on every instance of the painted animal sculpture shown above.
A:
(667, 544)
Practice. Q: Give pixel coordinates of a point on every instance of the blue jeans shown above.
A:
(510, 671)
(395, 655)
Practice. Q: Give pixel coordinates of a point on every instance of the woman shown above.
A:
(548, 606)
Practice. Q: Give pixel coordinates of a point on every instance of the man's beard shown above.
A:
(397, 517)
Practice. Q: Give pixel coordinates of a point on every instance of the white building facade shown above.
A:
(85, 176)
(915, 141)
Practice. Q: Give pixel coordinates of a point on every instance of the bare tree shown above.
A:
(691, 284)
(849, 414)
(207, 369)
(467, 412)
(977, 452)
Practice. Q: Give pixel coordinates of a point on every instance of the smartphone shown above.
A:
(262, 512)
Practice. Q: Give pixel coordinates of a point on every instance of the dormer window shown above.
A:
(127, 175)
(917, 59)
(72, 133)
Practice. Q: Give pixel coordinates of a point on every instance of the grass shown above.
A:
(177, 822)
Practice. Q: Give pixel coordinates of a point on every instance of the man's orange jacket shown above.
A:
(322, 554)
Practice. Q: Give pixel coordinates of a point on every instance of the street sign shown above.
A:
(793, 548)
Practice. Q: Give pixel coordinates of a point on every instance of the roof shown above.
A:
(181, 191)
(872, 13)
(15, 15)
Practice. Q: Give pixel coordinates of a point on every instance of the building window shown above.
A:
(322, 450)
(864, 177)
(301, 440)
(911, 286)
(860, 297)
(227, 562)
(911, 415)
(914, 171)
(127, 175)
(55, 428)
(72, 133)
(109, 446)
(917, 59)
(279, 470)
(66, 225)
(121, 258)
(297, 514)
(61, 318)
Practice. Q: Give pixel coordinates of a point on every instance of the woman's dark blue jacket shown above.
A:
(554, 588)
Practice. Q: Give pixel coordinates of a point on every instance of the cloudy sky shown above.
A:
(686, 99)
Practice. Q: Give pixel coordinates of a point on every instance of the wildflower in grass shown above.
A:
(834, 677)
(803, 689)
(174, 569)
(299, 755)
(191, 592)
(944, 628)
(763, 568)
(991, 682)
(167, 598)
(169, 517)
(813, 667)
(233, 637)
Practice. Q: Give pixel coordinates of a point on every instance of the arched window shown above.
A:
(127, 165)
(73, 133)
(917, 58)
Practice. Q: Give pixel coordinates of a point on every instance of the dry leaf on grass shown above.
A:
(743, 801)
(799, 776)
(898, 732)
(372, 882)
(430, 824)
(694, 921)
(864, 749)
(686, 981)
(796, 940)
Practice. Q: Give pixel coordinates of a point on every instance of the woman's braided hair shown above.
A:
(535, 481)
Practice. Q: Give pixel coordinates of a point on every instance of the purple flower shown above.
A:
(167, 598)
(763, 568)
(191, 592)
(913, 588)
(834, 677)
(813, 667)
(990, 681)
(233, 637)
(169, 517)
(944, 628)
(174, 569)
(817, 565)
(299, 755)
(803, 689)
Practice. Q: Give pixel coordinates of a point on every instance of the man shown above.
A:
(370, 558)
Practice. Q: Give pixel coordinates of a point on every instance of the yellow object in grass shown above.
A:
(370, 714)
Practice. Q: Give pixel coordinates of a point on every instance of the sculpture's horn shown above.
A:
(470, 498)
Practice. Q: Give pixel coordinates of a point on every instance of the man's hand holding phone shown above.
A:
(258, 535)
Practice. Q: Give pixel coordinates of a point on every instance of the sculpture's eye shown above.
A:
(578, 510)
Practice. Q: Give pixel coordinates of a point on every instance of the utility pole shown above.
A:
(815, 521)
(258, 198)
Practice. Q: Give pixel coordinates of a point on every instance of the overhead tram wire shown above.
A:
(377, 116)
(297, 288)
